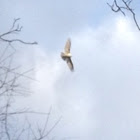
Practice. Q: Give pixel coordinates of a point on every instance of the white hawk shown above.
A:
(66, 55)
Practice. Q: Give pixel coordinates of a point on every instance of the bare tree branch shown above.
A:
(10, 88)
(23, 112)
(51, 129)
(17, 40)
(126, 6)
(118, 8)
(47, 120)
(6, 120)
(14, 29)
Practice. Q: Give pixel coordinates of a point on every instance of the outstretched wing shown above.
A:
(70, 64)
(67, 46)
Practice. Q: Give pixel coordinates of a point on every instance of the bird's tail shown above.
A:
(63, 56)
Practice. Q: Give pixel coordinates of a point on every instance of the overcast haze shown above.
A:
(100, 100)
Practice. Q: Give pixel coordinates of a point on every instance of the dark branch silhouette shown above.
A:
(16, 28)
(115, 7)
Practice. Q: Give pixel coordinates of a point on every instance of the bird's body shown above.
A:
(66, 56)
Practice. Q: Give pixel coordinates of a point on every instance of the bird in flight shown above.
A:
(66, 55)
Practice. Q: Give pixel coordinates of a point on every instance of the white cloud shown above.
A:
(100, 100)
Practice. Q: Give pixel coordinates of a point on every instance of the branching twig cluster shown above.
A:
(115, 7)
(43, 132)
(16, 28)
(10, 88)
(9, 75)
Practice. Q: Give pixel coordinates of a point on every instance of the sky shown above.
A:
(100, 100)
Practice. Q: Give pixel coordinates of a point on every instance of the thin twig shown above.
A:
(12, 30)
(127, 7)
